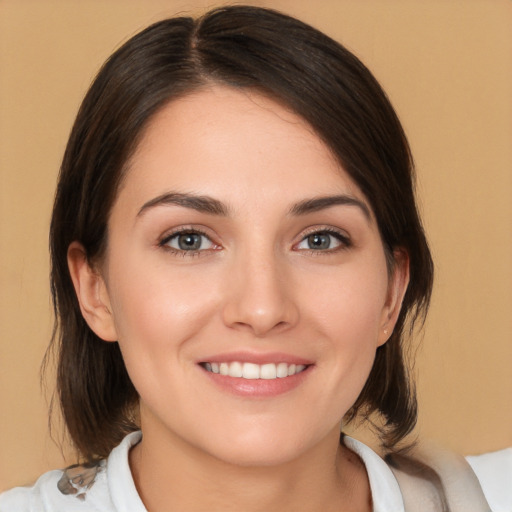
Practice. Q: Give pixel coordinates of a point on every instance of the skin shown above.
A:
(258, 285)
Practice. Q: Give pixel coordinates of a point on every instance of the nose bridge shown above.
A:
(261, 297)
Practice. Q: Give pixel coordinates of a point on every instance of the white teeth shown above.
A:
(236, 369)
(282, 370)
(252, 371)
(268, 371)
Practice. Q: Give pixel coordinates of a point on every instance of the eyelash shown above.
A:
(164, 242)
(343, 239)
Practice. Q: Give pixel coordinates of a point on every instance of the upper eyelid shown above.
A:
(164, 242)
(342, 235)
(324, 229)
(169, 234)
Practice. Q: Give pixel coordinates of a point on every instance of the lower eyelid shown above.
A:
(166, 239)
(343, 241)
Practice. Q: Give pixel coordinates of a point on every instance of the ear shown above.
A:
(398, 282)
(92, 293)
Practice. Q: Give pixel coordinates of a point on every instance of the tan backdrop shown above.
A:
(448, 70)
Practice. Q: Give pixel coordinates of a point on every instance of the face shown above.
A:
(245, 280)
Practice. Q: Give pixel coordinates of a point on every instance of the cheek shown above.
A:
(350, 304)
(156, 307)
(158, 315)
(347, 312)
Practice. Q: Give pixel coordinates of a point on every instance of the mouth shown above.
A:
(252, 371)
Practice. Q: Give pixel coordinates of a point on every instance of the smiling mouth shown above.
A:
(252, 371)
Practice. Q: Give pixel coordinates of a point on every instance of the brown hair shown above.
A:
(301, 68)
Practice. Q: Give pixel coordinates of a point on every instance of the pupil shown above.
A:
(318, 241)
(189, 241)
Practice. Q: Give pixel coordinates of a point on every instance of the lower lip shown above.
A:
(257, 388)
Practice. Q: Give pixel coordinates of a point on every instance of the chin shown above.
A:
(257, 455)
(261, 447)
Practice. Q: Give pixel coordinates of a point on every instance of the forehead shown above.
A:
(233, 144)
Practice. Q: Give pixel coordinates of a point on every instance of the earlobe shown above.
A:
(398, 282)
(92, 293)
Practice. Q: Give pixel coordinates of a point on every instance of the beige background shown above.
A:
(447, 68)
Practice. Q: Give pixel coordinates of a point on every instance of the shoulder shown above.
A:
(102, 486)
(75, 489)
(386, 495)
(494, 472)
(462, 480)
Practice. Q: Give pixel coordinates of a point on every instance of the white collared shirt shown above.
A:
(109, 486)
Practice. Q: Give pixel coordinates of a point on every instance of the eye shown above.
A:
(324, 240)
(188, 241)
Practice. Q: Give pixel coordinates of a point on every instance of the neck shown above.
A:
(171, 475)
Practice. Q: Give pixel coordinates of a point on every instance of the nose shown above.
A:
(259, 297)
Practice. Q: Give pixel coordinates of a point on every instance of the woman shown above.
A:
(237, 259)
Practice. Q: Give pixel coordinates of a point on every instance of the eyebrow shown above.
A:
(206, 204)
(320, 203)
(203, 204)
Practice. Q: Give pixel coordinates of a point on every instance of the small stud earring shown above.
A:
(386, 332)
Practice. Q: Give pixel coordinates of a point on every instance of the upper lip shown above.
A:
(256, 358)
